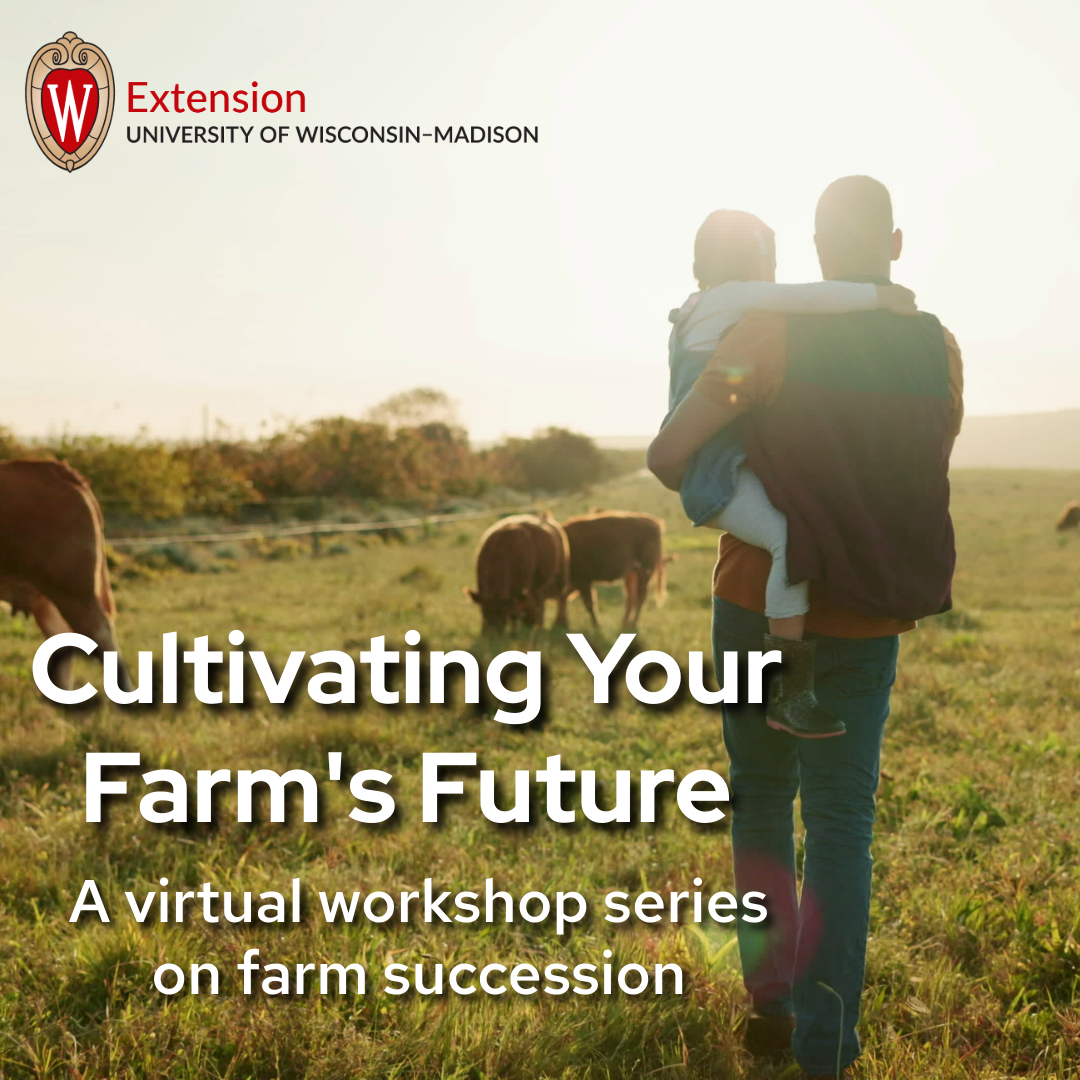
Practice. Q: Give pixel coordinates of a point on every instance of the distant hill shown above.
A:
(1027, 441)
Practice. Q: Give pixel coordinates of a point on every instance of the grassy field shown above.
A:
(974, 960)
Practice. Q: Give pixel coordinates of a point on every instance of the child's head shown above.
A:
(732, 245)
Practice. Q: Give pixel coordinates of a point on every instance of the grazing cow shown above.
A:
(521, 561)
(1070, 517)
(52, 557)
(606, 545)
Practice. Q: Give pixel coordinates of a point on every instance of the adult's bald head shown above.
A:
(853, 229)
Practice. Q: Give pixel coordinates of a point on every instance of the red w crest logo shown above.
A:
(69, 100)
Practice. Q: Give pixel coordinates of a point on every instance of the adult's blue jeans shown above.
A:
(810, 954)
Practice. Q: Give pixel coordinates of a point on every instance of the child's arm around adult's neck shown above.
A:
(817, 297)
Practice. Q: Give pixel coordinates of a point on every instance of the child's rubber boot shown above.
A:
(793, 706)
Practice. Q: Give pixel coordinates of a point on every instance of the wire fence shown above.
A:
(313, 529)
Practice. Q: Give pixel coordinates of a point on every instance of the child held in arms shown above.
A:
(735, 268)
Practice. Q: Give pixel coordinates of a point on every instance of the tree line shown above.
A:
(409, 449)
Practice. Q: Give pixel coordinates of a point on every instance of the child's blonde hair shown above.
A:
(732, 245)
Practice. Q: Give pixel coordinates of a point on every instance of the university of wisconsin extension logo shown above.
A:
(69, 100)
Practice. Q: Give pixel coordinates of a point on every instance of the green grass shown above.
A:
(974, 959)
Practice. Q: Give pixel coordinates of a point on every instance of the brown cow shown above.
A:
(606, 545)
(1070, 517)
(521, 561)
(52, 557)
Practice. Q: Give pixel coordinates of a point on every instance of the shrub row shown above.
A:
(425, 459)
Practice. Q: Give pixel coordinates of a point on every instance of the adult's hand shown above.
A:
(897, 299)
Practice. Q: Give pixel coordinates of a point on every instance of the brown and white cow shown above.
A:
(521, 562)
(609, 545)
(52, 557)
(1070, 517)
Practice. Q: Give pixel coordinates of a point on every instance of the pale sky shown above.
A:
(532, 283)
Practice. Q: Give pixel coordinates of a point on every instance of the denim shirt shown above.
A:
(709, 481)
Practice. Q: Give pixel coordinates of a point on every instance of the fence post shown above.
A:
(316, 544)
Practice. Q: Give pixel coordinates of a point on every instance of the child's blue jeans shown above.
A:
(820, 938)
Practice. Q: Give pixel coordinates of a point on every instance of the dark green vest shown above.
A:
(855, 451)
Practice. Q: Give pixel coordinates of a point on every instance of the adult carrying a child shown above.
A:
(847, 421)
